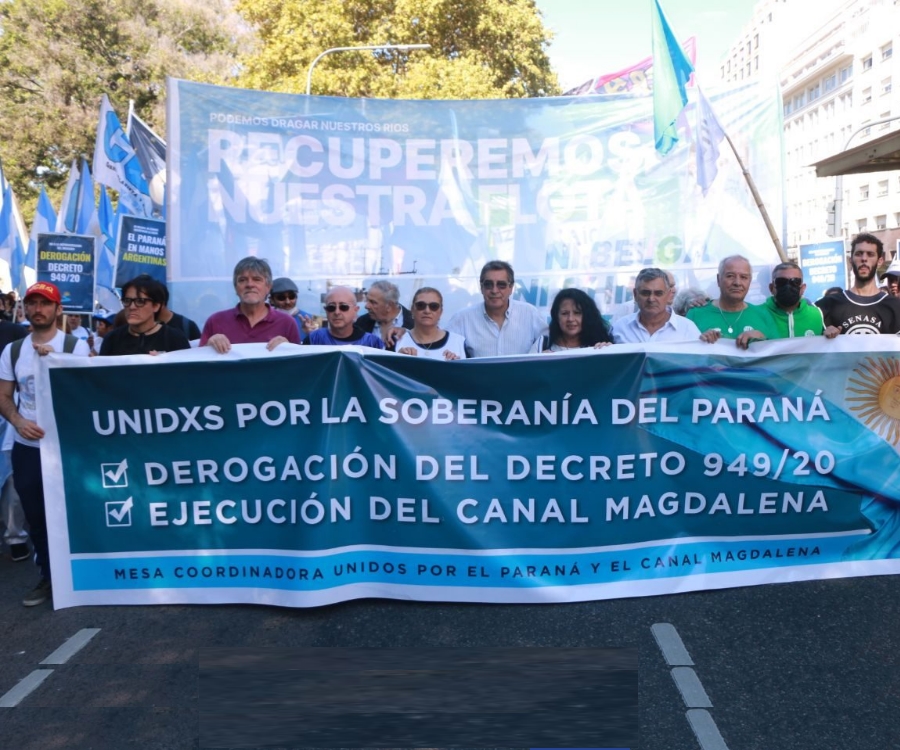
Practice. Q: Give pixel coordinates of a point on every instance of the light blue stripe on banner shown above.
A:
(290, 573)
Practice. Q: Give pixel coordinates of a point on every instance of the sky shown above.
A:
(594, 37)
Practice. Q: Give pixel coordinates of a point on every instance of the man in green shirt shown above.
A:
(793, 315)
(729, 316)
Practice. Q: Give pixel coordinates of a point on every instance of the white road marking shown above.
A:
(705, 729)
(692, 692)
(671, 645)
(71, 646)
(688, 683)
(21, 691)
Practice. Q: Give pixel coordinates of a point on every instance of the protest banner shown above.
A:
(569, 190)
(824, 266)
(141, 249)
(67, 260)
(311, 475)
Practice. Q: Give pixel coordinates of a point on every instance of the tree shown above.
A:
(479, 48)
(58, 57)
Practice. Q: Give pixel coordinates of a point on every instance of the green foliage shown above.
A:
(58, 58)
(479, 48)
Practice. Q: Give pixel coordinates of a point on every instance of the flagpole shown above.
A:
(759, 201)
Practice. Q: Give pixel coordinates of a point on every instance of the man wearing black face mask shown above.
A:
(793, 315)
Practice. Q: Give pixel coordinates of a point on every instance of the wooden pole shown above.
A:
(759, 201)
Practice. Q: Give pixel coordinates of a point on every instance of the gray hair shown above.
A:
(725, 261)
(390, 291)
(685, 298)
(651, 274)
(253, 264)
(785, 266)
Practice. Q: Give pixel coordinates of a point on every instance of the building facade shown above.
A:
(837, 70)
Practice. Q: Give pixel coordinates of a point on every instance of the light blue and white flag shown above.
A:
(16, 239)
(44, 223)
(106, 255)
(77, 208)
(116, 165)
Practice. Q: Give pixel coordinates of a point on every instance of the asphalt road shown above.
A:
(803, 666)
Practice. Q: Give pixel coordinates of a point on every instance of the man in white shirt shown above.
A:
(17, 374)
(654, 321)
(498, 325)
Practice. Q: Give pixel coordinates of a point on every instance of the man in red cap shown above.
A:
(17, 367)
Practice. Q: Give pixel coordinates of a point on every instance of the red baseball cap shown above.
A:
(46, 290)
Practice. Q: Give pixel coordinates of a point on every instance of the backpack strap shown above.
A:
(15, 349)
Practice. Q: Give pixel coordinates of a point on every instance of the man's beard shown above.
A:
(859, 277)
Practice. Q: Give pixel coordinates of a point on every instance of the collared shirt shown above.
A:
(630, 330)
(236, 326)
(397, 322)
(484, 338)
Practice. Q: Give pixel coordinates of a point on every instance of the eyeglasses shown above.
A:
(284, 296)
(135, 301)
(648, 293)
(781, 283)
(501, 285)
(331, 307)
(433, 306)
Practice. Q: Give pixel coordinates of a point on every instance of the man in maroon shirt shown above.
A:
(251, 321)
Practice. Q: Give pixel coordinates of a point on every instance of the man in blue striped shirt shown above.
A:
(498, 325)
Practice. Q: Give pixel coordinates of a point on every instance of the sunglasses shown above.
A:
(284, 296)
(331, 307)
(781, 283)
(433, 306)
(501, 285)
(135, 301)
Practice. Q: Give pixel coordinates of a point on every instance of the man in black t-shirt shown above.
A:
(863, 308)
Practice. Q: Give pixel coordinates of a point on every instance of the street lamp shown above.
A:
(400, 47)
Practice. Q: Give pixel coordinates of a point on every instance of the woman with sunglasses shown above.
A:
(142, 299)
(575, 323)
(427, 339)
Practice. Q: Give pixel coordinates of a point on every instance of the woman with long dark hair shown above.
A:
(575, 323)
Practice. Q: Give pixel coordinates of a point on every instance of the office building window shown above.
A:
(887, 51)
(830, 83)
(882, 188)
(867, 63)
(866, 95)
(881, 222)
(864, 192)
(886, 87)
(862, 225)
(845, 73)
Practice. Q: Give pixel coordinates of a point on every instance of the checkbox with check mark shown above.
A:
(118, 512)
(115, 476)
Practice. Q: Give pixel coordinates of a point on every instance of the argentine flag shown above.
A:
(116, 165)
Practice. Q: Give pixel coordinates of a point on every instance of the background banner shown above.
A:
(570, 190)
(313, 475)
(67, 260)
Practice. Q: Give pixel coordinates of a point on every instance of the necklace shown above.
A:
(428, 345)
(725, 320)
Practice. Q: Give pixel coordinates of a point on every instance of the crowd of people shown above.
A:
(266, 312)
